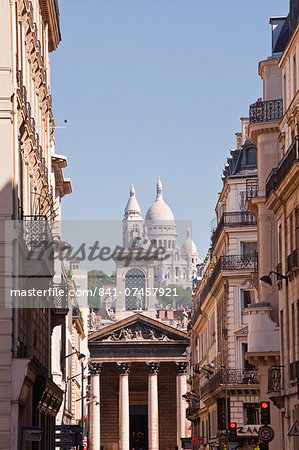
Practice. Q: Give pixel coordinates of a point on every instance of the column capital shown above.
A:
(124, 368)
(95, 368)
(181, 368)
(153, 368)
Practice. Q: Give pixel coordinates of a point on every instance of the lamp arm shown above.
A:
(284, 277)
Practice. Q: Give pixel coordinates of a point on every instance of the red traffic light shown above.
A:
(233, 425)
(265, 405)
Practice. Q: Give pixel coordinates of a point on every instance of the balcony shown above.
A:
(240, 262)
(60, 295)
(275, 378)
(192, 409)
(233, 220)
(270, 110)
(36, 232)
(236, 379)
(225, 263)
(280, 172)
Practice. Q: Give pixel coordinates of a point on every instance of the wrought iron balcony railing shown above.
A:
(233, 219)
(279, 173)
(60, 295)
(36, 232)
(193, 406)
(234, 262)
(266, 111)
(230, 377)
(275, 378)
(240, 262)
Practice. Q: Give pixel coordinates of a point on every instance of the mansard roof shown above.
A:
(243, 162)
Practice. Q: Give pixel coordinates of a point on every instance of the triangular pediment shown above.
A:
(137, 328)
(242, 331)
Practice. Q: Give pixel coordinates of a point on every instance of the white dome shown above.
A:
(132, 210)
(159, 211)
(188, 247)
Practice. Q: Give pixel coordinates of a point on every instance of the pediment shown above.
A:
(137, 328)
(242, 331)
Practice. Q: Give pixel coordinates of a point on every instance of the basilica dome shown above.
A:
(188, 247)
(159, 211)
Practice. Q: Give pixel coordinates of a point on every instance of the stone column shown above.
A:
(153, 406)
(95, 407)
(124, 412)
(181, 389)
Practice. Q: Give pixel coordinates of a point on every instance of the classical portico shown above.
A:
(139, 376)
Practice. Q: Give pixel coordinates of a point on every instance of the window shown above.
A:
(250, 157)
(135, 278)
(284, 93)
(291, 232)
(246, 297)
(242, 201)
(248, 248)
(251, 413)
(246, 364)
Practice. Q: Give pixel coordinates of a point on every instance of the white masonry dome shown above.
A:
(132, 210)
(159, 211)
(188, 247)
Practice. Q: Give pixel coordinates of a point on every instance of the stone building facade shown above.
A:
(274, 128)
(138, 378)
(225, 387)
(32, 186)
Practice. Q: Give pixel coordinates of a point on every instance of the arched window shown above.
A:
(135, 279)
(173, 246)
(165, 243)
(155, 243)
(169, 244)
(177, 272)
(160, 243)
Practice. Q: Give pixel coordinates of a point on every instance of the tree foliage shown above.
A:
(179, 296)
(96, 280)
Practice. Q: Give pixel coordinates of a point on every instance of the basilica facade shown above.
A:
(159, 228)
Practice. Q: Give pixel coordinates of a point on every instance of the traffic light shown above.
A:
(233, 431)
(265, 413)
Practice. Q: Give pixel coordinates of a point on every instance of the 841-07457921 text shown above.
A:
(168, 292)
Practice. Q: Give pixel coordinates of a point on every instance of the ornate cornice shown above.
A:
(50, 15)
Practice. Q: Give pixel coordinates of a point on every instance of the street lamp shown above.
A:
(267, 279)
(223, 366)
(80, 355)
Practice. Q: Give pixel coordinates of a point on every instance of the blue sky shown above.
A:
(155, 88)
